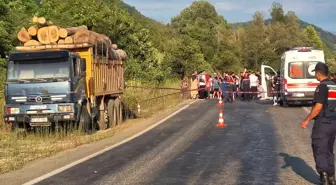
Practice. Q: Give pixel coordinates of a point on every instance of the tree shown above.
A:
(256, 42)
(312, 38)
(199, 22)
(186, 57)
(277, 13)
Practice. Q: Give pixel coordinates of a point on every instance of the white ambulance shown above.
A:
(298, 82)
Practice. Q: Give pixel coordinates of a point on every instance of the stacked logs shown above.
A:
(43, 32)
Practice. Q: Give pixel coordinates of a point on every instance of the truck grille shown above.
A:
(38, 99)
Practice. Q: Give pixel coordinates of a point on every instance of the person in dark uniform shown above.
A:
(324, 129)
(276, 84)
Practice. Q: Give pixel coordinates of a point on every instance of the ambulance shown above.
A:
(298, 82)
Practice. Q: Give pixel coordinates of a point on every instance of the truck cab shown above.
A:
(43, 87)
(298, 82)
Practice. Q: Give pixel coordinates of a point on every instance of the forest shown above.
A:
(196, 39)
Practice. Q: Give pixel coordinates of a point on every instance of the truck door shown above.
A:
(267, 73)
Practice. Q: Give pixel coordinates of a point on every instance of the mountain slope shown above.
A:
(327, 37)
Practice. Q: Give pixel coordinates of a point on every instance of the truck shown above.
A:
(298, 82)
(51, 85)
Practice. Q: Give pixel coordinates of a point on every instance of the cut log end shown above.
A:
(53, 34)
(32, 43)
(35, 19)
(23, 35)
(41, 20)
(69, 40)
(63, 33)
(43, 35)
(61, 41)
(114, 46)
(32, 30)
(122, 54)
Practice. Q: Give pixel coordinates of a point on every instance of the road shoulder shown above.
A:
(43, 166)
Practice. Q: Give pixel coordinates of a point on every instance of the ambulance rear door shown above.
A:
(267, 74)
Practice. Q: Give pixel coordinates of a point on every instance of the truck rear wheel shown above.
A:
(112, 113)
(84, 120)
(119, 110)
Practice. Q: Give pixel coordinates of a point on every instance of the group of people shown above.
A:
(229, 86)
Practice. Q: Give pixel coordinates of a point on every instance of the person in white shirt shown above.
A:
(254, 82)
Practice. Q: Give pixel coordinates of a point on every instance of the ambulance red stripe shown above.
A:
(332, 94)
(302, 85)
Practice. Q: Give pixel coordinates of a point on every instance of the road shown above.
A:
(261, 145)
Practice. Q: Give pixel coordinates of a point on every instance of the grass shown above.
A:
(16, 150)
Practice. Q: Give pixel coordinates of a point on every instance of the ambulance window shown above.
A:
(296, 70)
(309, 67)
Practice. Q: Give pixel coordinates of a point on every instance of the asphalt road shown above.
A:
(261, 145)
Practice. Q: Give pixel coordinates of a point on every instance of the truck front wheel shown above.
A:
(84, 120)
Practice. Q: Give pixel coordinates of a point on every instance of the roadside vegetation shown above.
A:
(158, 55)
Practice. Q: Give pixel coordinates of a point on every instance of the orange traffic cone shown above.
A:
(220, 103)
(221, 123)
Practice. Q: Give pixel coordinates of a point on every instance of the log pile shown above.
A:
(44, 32)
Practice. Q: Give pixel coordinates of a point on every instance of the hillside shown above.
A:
(131, 9)
(327, 37)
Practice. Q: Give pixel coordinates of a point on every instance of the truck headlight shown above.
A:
(64, 108)
(11, 110)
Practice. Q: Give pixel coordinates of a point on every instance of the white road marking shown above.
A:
(306, 109)
(39, 179)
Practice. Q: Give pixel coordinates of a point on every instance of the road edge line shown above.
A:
(61, 169)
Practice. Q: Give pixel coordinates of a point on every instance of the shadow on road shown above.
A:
(300, 167)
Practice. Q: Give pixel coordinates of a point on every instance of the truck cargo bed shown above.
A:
(107, 77)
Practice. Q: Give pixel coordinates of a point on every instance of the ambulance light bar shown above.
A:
(303, 49)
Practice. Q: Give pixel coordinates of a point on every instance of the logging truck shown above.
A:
(64, 83)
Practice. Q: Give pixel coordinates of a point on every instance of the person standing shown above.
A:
(324, 129)
(224, 92)
(254, 82)
(216, 87)
(194, 85)
(246, 85)
(276, 84)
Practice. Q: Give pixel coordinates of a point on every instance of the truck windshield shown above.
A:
(38, 69)
(301, 70)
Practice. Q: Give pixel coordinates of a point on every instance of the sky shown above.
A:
(318, 12)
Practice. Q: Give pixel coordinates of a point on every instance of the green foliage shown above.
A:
(199, 21)
(277, 13)
(328, 38)
(312, 38)
(186, 57)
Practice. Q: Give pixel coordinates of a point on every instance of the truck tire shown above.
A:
(119, 110)
(84, 120)
(15, 126)
(112, 113)
(102, 123)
